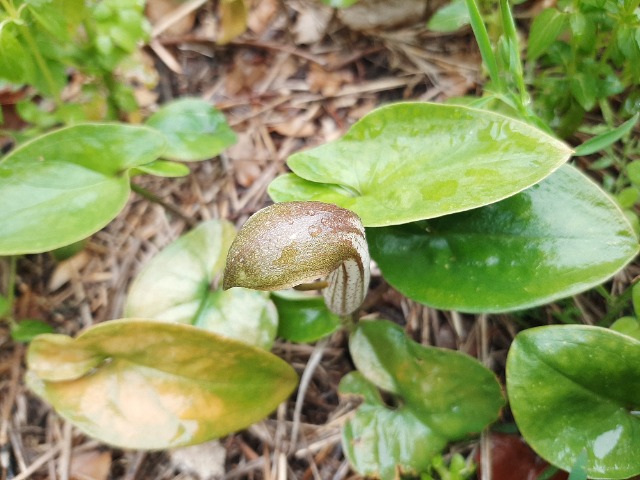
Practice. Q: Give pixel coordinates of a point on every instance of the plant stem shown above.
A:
(349, 321)
(511, 34)
(484, 43)
(144, 193)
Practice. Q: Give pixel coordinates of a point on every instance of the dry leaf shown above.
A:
(369, 14)
(327, 83)
(261, 15)
(68, 269)
(311, 24)
(160, 11)
(90, 465)
(297, 127)
(206, 461)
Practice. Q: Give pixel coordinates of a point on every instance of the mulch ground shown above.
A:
(299, 77)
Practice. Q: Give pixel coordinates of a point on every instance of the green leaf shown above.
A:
(578, 387)
(411, 161)
(379, 440)
(442, 395)
(584, 88)
(158, 385)
(628, 326)
(339, 3)
(578, 471)
(303, 318)
(449, 17)
(66, 185)
(5, 306)
(633, 172)
(164, 168)
(555, 239)
(26, 330)
(628, 197)
(194, 129)
(604, 140)
(176, 286)
(546, 27)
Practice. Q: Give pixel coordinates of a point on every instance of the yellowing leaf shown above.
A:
(158, 385)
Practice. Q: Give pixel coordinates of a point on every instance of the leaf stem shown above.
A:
(510, 32)
(152, 197)
(484, 43)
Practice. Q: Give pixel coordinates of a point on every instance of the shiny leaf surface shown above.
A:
(194, 130)
(288, 244)
(442, 395)
(303, 318)
(67, 185)
(177, 286)
(553, 240)
(379, 440)
(576, 387)
(158, 385)
(411, 161)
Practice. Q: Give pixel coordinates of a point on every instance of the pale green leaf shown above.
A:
(411, 161)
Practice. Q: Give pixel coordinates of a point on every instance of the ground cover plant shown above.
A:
(505, 224)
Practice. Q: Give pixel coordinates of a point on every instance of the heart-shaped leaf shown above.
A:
(379, 440)
(553, 240)
(291, 243)
(303, 318)
(411, 161)
(449, 393)
(177, 286)
(66, 185)
(157, 385)
(573, 388)
(194, 130)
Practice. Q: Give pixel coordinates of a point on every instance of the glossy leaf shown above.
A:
(442, 395)
(303, 318)
(411, 161)
(158, 385)
(555, 239)
(66, 185)
(379, 440)
(194, 130)
(288, 244)
(177, 286)
(577, 387)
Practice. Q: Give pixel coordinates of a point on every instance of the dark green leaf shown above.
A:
(148, 385)
(604, 140)
(555, 239)
(573, 388)
(66, 185)
(194, 129)
(303, 318)
(410, 161)
(442, 395)
(584, 89)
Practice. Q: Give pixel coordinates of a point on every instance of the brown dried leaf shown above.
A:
(261, 15)
(297, 127)
(90, 465)
(370, 14)
(205, 461)
(311, 24)
(68, 269)
(160, 11)
(325, 82)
